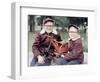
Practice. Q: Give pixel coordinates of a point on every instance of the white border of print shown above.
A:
(20, 68)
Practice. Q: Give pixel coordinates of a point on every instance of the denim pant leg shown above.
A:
(59, 61)
(73, 62)
(37, 64)
(47, 63)
(33, 62)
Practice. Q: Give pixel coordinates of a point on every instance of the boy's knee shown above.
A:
(60, 61)
(33, 62)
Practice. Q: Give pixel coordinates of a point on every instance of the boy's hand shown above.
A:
(40, 59)
(57, 54)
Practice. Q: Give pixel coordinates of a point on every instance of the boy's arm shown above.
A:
(35, 46)
(75, 52)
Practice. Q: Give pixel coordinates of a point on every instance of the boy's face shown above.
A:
(73, 33)
(49, 27)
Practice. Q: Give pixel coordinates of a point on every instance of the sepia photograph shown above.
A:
(57, 40)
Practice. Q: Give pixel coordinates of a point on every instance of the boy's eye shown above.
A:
(49, 25)
(72, 32)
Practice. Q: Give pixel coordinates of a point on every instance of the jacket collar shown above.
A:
(44, 31)
(74, 38)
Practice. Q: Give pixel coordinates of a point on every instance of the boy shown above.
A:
(75, 49)
(42, 48)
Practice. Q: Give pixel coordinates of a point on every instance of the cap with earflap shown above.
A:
(75, 26)
(48, 19)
